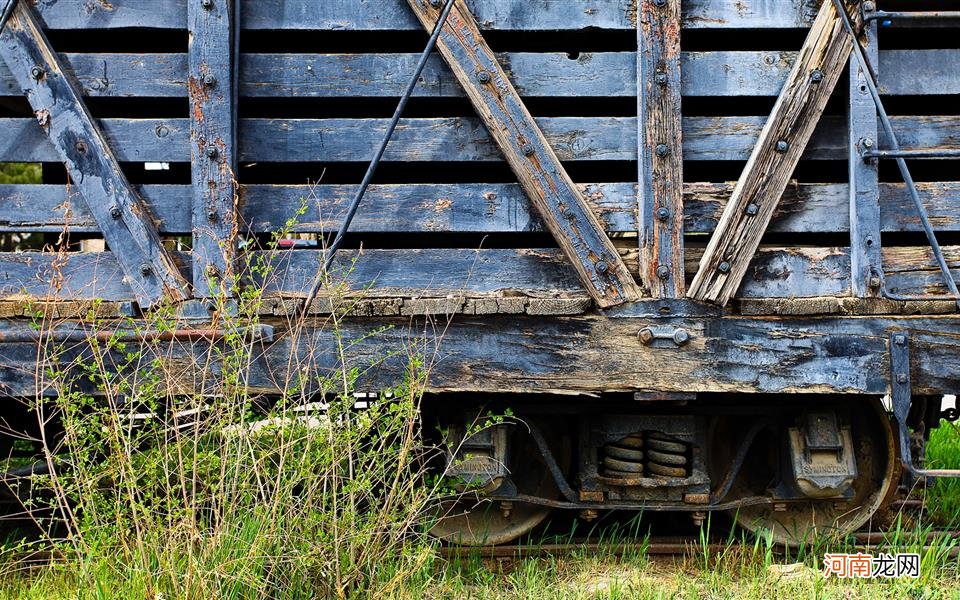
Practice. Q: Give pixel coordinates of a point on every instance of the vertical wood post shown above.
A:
(865, 260)
(660, 149)
(210, 82)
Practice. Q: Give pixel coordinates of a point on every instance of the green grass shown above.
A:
(943, 452)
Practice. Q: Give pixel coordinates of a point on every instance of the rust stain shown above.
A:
(442, 204)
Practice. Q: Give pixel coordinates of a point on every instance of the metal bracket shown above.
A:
(660, 336)
(900, 396)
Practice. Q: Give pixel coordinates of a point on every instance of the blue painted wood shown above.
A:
(210, 81)
(660, 148)
(454, 139)
(865, 259)
(530, 156)
(535, 74)
(73, 136)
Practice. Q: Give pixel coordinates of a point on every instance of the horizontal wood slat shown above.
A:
(456, 139)
(351, 15)
(476, 207)
(540, 74)
(439, 273)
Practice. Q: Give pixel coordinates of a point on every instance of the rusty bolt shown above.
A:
(436, 3)
(602, 267)
(782, 146)
(752, 209)
(869, 6)
(681, 337)
(899, 339)
(902, 378)
(661, 78)
(663, 272)
(867, 143)
(81, 146)
(212, 152)
(162, 131)
(209, 80)
(663, 150)
(115, 212)
(646, 336)
(529, 150)
(483, 77)
(660, 3)
(212, 216)
(207, 4)
(816, 76)
(663, 213)
(145, 269)
(37, 73)
(724, 267)
(875, 281)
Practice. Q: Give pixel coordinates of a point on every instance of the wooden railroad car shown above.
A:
(680, 240)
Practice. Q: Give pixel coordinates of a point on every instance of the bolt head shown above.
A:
(145, 270)
(483, 77)
(782, 146)
(681, 337)
(529, 150)
(661, 78)
(663, 272)
(602, 267)
(209, 80)
(901, 378)
(752, 209)
(660, 3)
(646, 336)
(899, 339)
(36, 72)
(212, 216)
(207, 4)
(867, 142)
(436, 3)
(724, 267)
(663, 213)
(212, 152)
(662, 150)
(874, 281)
(816, 76)
(869, 6)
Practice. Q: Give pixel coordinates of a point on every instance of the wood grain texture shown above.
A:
(538, 169)
(714, 73)
(213, 152)
(865, 227)
(775, 156)
(575, 355)
(72, 134)
(660, 148)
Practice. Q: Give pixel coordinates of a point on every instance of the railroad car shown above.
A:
(703, 251)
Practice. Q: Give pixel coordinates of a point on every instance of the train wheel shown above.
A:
(471, 520)
(794, 523)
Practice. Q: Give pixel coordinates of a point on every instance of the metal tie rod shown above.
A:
(915, 154)
(7, 11)
(871, 80)
(887, 17)
(372, 168)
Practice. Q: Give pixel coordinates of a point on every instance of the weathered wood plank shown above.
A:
(454, 139)
(486, 208)
(660, 148)
(865, 259)
(213, 151)
(491, 14)
(529, 154)
(777, 153)
(534, 74)
(64, 120)
(586, 354)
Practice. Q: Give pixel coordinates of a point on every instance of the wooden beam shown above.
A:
(660, 148)
(865, 261)
(782, 142)
(559, 202)
(122, 216)
(210, 82)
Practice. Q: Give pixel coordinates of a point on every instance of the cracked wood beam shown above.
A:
(213, 149)
(782, 142)
(122, 216)
(659, 148)
(560, 203)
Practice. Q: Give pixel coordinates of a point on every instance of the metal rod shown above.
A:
(933, 15)
(257, 333)
(912, 154)
(372, 168)
(871, 80)
(7, 11)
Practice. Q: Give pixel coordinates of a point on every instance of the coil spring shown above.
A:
(624, 459)
(666, 457)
